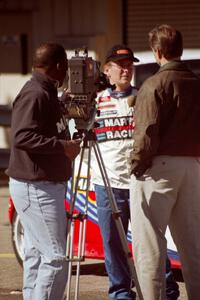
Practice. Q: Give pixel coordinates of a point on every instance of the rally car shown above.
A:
(93, 239)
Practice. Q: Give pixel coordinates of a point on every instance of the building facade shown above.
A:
(97, 24)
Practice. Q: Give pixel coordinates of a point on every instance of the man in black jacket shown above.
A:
(40, 165)
(166, 168)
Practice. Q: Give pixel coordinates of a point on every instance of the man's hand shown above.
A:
(72, 148)
(138, 168)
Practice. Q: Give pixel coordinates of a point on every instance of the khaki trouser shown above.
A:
(167, 194)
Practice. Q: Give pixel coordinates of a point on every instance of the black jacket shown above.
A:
(38, 131)
(167, 116)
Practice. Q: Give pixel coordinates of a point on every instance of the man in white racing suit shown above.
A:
(114, 135)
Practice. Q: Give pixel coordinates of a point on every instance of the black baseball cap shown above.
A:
(119, 52)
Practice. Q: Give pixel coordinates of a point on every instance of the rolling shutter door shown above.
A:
(142, 15)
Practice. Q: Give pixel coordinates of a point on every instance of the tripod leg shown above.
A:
(80, 256)
(116, 215)
(82, 217)
(71, 221)
(70, 236)
(83, 224)
(70, 255)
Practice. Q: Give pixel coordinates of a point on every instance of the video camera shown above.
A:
(85, 80)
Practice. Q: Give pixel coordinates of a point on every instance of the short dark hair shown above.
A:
(166, 39)
(48, 55)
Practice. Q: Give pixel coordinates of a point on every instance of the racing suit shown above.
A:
(114, 136)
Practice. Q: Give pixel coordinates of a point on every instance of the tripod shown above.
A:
(90, 142)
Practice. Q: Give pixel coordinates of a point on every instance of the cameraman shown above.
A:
(40, 165)
(115, 141)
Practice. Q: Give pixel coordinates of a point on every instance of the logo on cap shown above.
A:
(123, 51)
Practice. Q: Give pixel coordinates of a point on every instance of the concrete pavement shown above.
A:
(93, 279)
